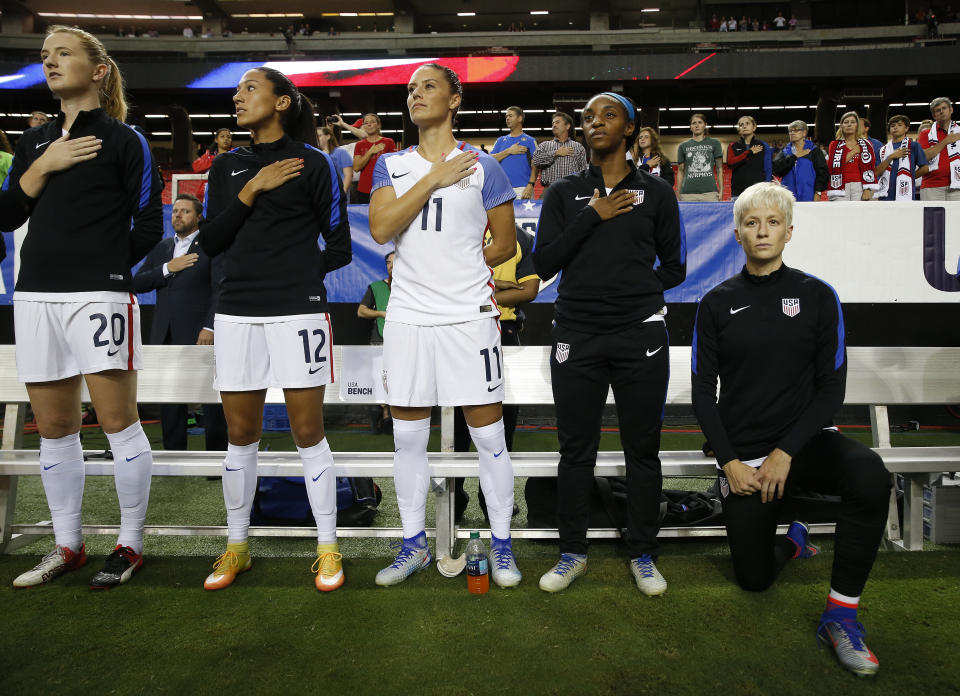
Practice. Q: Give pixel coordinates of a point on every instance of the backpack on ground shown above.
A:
(282, 501)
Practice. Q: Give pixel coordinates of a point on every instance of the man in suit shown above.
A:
(187, 282)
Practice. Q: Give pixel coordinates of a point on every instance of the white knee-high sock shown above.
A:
(62, 474)
(239, 487)
(411, 473)
(318, 475)
(132, 466)
(496, 476)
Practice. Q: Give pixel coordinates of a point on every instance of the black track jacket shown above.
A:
(609, 282)
(92, 222)
(272, 264)
(777, 345)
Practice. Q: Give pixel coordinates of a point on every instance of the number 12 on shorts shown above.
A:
(314, 356)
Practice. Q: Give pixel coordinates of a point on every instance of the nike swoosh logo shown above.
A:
(314, 371)
(237, 469)
(109, 353)
(499, 453)
(490, 389)
(734, 311)
(581, 198)
(39, 145)
(398, 449)
(653, 352)
(397, 176)
(130, 459)
(317, 477)
(47, 468)
(239, 172)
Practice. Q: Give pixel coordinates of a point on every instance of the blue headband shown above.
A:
(631, 114)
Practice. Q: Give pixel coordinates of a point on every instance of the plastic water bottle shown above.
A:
(478, 579)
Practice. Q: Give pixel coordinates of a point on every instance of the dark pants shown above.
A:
(363, 198)
(509, 336)
(635, 362)
(829, 463)
(173, 422)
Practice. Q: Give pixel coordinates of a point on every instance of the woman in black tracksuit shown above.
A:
(604, 228)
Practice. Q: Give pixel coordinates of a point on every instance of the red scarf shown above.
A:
(866, 162)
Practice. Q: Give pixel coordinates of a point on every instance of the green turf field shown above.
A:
(273, 633)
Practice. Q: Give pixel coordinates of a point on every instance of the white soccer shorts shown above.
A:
(291, 352)
(446, 365)
(56, 340)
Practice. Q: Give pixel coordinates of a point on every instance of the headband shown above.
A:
(631, 114)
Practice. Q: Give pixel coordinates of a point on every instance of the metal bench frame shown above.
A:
(877, 377)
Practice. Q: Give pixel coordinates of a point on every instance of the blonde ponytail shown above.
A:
(112, 97)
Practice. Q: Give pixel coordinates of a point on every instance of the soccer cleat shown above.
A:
(799, 534)
(846, 637)
(503, 565)
(648, 578)
(54, 564)
(119, 567)
(225, 570)
(414, 556)
(329, 569)
(567, 569)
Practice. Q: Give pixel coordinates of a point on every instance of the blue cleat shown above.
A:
(414, 556)
(799, 534)
(846, 638)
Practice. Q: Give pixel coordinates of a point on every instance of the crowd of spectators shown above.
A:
(731, 23)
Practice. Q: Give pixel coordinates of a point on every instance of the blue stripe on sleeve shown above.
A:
(335, 190)
(147, 161)
(381, 175)
(206, 198)
(496, 186)
(683, 241)
(841, 329)
(693, 345)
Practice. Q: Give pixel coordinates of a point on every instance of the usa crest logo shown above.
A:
(464, 183)
(637, 196)
(563, 352)
(791, 306)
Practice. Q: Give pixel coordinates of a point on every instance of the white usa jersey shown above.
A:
(439, 273)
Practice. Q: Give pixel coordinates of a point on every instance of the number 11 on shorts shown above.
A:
(485, 353)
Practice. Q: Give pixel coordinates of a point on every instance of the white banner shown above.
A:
(875, 251)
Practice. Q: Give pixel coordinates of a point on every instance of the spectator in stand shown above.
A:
(780, 22)
(341, 158)
(648, 156)
(514, 152)
(749, 158)
(801, 165)
(222, 142)
(188, 32)
(561, 156)
(700, 164)
(37, 118)
(367, 152)
(6, 157)
(187, 282)
(755, 24)
(899, 163)
(744, 24)
(731, 24)
(714, 23)
(373, 307)
(876, 144)
(941, 145)
(793, 22)
(933, 25)
(852, 162)
(723, 24)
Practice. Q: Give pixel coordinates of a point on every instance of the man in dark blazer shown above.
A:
(187, 282)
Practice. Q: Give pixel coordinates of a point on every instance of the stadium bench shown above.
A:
(184, 374)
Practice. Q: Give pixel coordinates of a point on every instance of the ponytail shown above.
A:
(112, 98)
(298, 121)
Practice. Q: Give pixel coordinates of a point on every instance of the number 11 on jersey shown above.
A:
(438, 203)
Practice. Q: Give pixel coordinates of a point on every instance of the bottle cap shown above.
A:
(474, 535)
